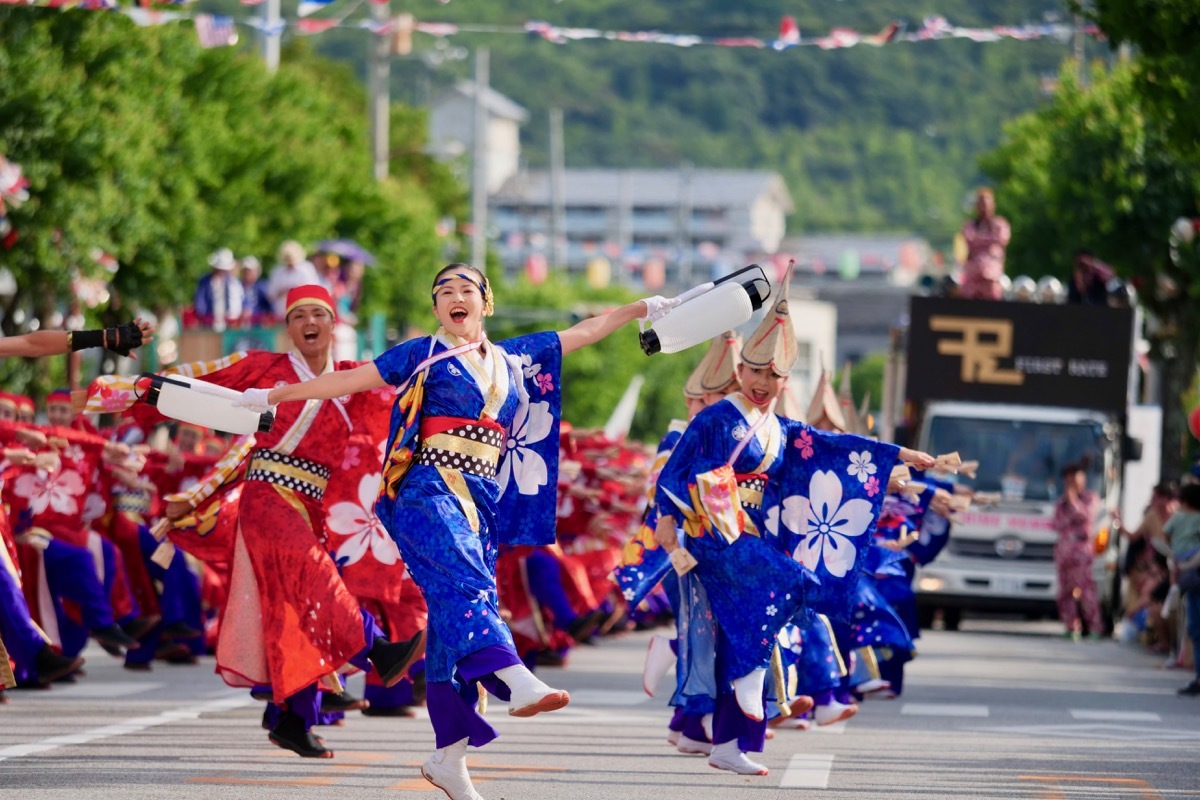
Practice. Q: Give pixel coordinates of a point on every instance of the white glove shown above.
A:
(254, 400)
(658, 307)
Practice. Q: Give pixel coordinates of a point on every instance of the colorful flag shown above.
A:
(215, 31)
(311, 26)
(789, 34)
(309, 7)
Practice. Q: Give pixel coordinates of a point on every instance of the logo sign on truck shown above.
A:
(1022, 353)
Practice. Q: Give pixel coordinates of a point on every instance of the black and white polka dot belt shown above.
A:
(750, 490)
(298, 474)
(468, 448)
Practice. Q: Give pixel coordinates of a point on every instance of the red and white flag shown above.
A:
(789, 33)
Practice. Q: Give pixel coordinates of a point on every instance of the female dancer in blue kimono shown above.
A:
(763, 451)
(472, 463)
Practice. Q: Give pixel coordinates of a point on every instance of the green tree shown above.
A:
(1093, 170)
(595, 377)
(142, 145)
(1168, 62)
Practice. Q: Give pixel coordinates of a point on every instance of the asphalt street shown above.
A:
(999, 709)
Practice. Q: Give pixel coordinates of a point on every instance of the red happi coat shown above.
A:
(370, 562)
(290, 620)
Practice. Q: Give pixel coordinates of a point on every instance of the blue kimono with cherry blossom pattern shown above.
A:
(831, 487)
(449, 539)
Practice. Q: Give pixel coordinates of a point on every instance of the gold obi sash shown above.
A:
(750, 489)
(292, 472)
(457, 443)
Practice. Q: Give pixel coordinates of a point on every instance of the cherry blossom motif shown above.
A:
(520, 462)
(804, 443)
(362, 529)
(94, 507)
(795, 512)
(772, 520)
(718, 498)
(351, 458)
(830, 525)
(60, 492)
(545, 382)
(112, 400)
(528, 368)
(872, 486)
(861, 466)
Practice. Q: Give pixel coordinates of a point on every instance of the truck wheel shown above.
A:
(951, 618)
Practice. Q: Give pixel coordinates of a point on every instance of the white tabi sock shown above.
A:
(726, 755)
(527, 694)
(748, 690)
(447, 770)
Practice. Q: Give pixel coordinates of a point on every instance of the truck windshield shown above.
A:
(1021, 459)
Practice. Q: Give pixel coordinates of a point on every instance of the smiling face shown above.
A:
(760, 385)
(458, 303)
(310, 327)
(59, 414)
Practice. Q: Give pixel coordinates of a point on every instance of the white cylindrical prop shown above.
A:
(707, 311)
(205, 404)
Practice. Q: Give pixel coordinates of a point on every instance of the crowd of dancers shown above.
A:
(400, 518)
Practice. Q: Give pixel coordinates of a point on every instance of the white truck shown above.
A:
(1024, 389)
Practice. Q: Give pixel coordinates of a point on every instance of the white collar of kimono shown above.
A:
(768, 433)
(487, 369)
(308, 414)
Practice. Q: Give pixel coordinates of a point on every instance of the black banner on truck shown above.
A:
(1022, 353)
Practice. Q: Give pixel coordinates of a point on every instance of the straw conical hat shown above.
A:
(721, 362)
(864, 413)
(787, 406)
(845, 398)
(692, 388)
(773, 343)
(824, 410)
(718, 369)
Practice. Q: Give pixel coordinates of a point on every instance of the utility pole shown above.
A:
(558, 199)
(1078, 52)
(683, 233)
(479, 171)
(271, 34)
(378, 87)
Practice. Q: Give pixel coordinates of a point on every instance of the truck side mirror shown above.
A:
(1131, 448)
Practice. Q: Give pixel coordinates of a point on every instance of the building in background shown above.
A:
(452, 130)
(650, 227)
(868, 277)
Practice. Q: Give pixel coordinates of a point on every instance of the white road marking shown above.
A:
(1115, 716)
(807, 771)
(132, 725)
(834, 728)
(942, 710)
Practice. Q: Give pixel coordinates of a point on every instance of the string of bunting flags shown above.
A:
(217, 30)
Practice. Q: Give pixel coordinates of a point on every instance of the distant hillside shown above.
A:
(868, 139)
